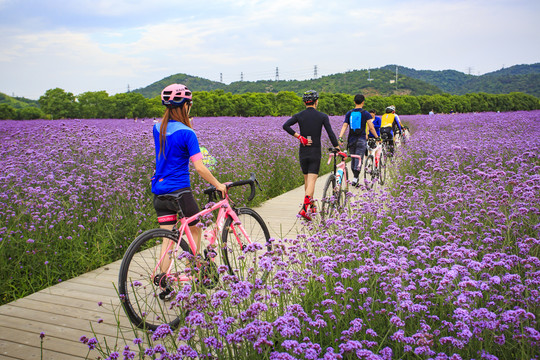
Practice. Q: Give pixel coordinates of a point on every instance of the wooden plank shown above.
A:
(19, 344)
(61, 339)
(58, 339)
(72, 318)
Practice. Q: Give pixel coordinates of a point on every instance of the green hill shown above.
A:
(518, 78)
(17, 102)
(193, 82)
(352, 82)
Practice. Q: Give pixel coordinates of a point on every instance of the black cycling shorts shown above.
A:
(166, 210)
(387, 130)
(310, 164)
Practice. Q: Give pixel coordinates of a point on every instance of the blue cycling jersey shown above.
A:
(377, 125)
(172, 165)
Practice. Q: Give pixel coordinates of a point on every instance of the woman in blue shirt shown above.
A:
(176, 145)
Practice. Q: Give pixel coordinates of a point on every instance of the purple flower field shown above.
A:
(75, 193)
(442, 264)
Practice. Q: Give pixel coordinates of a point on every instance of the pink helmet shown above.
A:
(175, 95)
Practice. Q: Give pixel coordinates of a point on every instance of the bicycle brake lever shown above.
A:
(258, 185)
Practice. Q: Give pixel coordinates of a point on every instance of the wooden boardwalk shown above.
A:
(69, 310)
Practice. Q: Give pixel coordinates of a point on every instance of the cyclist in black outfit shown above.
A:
(310, 122)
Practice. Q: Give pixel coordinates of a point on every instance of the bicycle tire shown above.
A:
(138, 293)
(382, 169)
(344, 189)
(328, 191)
(242, 263)
(369, 174)
(386, 150)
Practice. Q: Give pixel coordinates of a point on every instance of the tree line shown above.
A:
(59, 104)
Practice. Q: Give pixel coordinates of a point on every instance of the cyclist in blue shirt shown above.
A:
(376, 124)
(357, 120)
(176, 145)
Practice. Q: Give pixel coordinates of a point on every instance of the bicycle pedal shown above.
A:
(166, 294)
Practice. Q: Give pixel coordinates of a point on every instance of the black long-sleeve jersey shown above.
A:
(311, 122)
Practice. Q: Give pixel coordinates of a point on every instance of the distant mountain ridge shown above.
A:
(380, 81)
(374, 82)
(517, 78)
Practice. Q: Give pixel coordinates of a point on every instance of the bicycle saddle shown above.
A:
(175, 196)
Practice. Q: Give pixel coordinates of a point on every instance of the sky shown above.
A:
(94, 45)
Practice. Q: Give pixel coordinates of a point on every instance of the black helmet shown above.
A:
(310, 97)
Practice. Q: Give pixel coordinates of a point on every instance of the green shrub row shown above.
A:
(56, 104)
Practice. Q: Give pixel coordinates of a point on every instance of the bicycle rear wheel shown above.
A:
(238, 255)
(382, 168)
(369, 173)
(139, 272)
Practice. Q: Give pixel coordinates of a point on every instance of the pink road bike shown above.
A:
(150, 278)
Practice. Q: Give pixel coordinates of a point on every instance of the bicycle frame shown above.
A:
(342, 165)
(225, 210)
(376, 153)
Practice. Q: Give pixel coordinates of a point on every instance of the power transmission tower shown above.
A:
(277, 74)
(315, 72)
(242, 76)
(469, 70)
(220, 77)
(128, 88)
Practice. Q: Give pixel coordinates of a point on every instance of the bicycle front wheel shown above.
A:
(241, 253)
(329, 200)
(141, 285)
(343, 189)
(369, 175)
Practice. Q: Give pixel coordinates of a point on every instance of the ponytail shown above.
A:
(177, 113)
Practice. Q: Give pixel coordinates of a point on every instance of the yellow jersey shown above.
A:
(388, 120)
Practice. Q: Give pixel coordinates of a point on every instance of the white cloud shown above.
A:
(94, 45)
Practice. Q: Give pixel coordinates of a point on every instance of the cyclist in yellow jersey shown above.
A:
(386, 125)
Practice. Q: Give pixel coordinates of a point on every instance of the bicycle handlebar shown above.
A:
(336, 152)
(252, 181)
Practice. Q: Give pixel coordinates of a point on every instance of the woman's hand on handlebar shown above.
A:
(222, 188)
